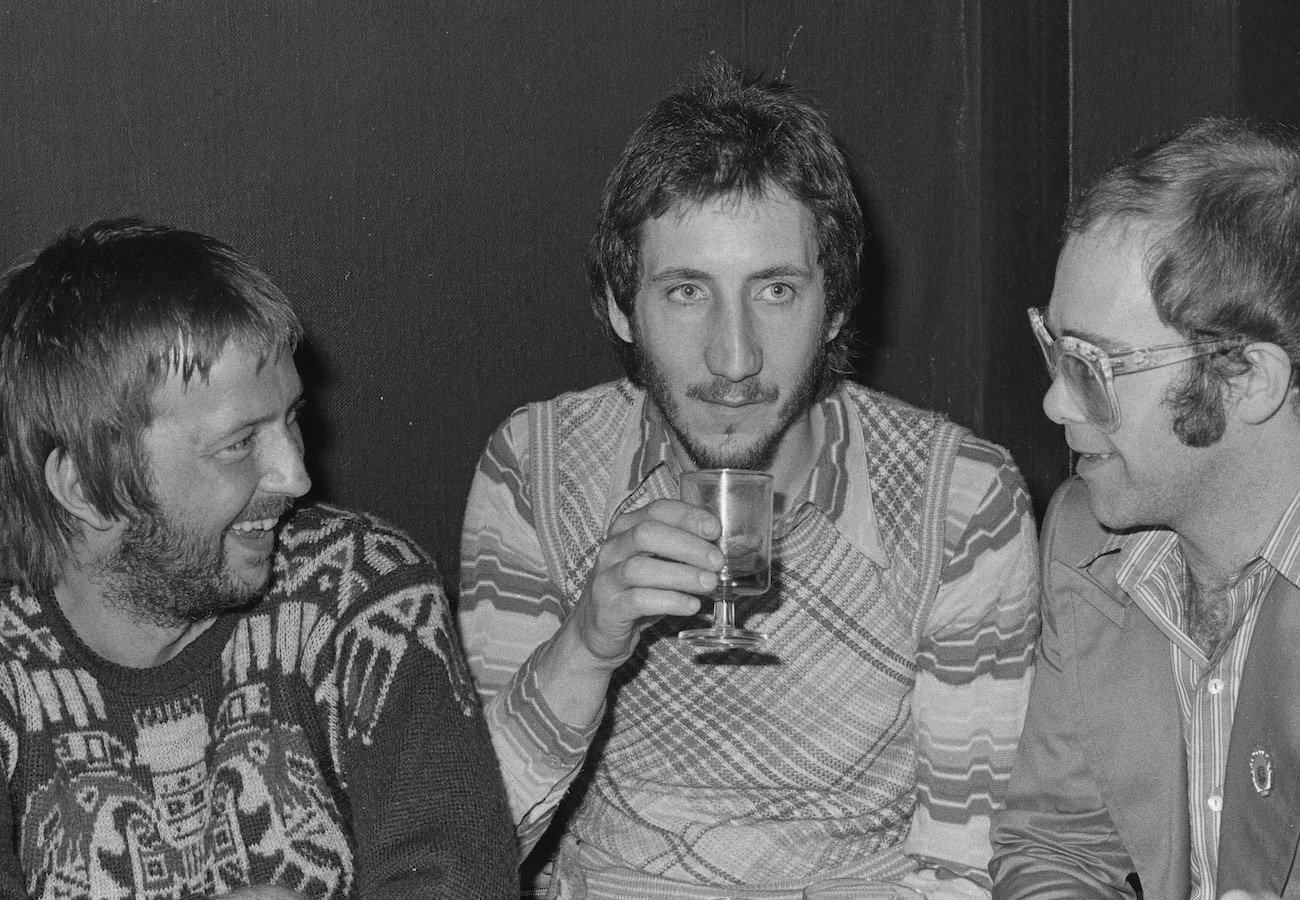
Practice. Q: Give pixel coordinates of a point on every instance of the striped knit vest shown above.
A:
(773, 768)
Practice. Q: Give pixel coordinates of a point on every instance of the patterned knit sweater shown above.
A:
(327, 741)
(877, 737)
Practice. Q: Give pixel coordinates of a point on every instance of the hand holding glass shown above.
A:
(742, 501)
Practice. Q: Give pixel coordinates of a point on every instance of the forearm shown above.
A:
(942, 886)
(540, 707)
(429, 815)
(539, 754)
(1035, 870)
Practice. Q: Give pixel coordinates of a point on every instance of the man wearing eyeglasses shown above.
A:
(1161, 754)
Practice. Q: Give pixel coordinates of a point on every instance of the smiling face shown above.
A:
(225, 461)
(729, 327)
(1141, 474)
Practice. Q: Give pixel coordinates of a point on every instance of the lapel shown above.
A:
(1132, 723)
(1259, 833)
(1129, 704)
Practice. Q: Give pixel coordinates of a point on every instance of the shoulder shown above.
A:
(322, 526)
(871, 405)
(1070, 529)
(978, 465)
(331, 555)
(25, 635)
(594, 409)
(900, 434)
(982, 467)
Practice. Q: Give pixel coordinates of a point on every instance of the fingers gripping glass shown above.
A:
(1089, 372)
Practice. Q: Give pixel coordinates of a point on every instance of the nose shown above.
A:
(1060, 405)
(734, 351)
(282, 470)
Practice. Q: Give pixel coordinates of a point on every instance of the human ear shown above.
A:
(1264, 387)
(63, 478)
(834, 325)
(617, 319)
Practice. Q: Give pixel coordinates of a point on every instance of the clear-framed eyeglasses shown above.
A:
(1089, 372)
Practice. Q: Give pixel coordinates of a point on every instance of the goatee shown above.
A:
(761, 451)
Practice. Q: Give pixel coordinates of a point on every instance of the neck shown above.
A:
(795, 456)
(114, 633)
(1220, 538)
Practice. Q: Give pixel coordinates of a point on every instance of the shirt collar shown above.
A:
(838, 487)
(1282, 549)
(1142, 551)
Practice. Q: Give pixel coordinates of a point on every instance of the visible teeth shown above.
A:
(251, 526)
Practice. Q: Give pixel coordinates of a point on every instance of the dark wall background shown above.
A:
(422, 177)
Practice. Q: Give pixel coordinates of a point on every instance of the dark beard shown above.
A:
(762, 452)
(163, 575)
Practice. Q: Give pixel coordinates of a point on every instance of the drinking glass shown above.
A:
(860, 889)
(742, 501)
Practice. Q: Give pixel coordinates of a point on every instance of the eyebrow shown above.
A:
(678, 274)
(295, 407)
(688, 274)
(1101, 342)
(783, 271)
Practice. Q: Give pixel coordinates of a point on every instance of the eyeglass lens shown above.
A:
(1087, 384)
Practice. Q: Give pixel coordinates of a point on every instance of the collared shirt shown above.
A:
(960, 668)
(1153, 571)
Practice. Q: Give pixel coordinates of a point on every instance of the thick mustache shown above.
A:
(721, 390)
(271, 508)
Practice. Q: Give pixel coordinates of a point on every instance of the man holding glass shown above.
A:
(870, 735)
(1161, 754)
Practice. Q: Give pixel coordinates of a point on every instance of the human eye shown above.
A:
(238, 449)
(777, 292)
(686, 293)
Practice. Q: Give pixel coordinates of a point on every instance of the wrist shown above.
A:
(572, 679)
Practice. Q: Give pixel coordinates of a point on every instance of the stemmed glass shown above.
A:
(742, 501)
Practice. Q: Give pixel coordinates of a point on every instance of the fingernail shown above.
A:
(707, 580)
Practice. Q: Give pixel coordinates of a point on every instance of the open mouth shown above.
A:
(253, 526)
(1088, 460)
(255, 534)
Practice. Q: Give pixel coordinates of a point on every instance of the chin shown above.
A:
(1114, 513)
(249, 579)
(730, 454)
(249, 576)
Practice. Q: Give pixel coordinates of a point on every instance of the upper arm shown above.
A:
(509, 607)
(508, 602)
(1055, 837)
(12, 877)
(429, 813)
(974, 661)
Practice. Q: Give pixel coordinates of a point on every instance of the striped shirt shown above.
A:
(890, 718)
(1153, 571)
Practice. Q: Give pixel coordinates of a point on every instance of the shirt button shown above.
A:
(1215, 802)
(1215, 686)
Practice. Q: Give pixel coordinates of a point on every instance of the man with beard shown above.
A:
(1161, 754)
(205, 692)
(872, 737)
